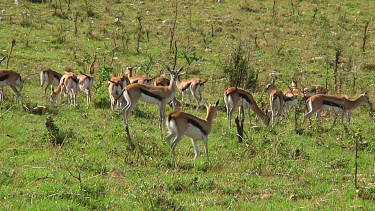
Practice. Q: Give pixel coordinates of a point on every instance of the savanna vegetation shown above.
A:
(60, 157)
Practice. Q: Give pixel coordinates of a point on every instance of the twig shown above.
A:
(356, 164)
(79, 178)
(6, 111)
(42, 178)
(10, 52)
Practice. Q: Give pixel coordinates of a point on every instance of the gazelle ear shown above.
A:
(365, 93)
(217, 103)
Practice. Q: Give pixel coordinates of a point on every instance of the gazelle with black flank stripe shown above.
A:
(85, 85)
(277, 101)
(141, 79)
(235, 97)
(160, 95)
(338, 103)
(69, 83)
(180, 124)
(10, 78)
(115, 87)
(163, 81)
(192, 87)
(49, 77)
(290, 96)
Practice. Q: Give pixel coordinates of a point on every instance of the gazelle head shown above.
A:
(53, 95)
(366, 101)
(174, 73)
(211, 110)
(129, 71)
(270, 86)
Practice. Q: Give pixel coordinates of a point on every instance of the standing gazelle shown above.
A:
(277, 101)
(180, 124)
(235, 97)
(192, 87)
(50, 77)
(69, 83)
(141, 79)
(161, 81)
(338, 103)
(115, 87)
(10, 78)
(85, 85)
(160, 95)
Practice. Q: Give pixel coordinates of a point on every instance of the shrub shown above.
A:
(238, 69)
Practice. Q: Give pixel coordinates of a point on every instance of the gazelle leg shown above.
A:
(196, 151)
(175, 142)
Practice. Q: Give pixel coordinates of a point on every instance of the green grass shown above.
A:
(283, 167)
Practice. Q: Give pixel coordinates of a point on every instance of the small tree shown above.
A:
(238, 69)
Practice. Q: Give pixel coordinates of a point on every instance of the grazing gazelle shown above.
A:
(180, 124)
(141, 79)
(10, 78)
(160, 95)
(69, 83)
(309, 90)
(235, 97)
(290, 96)
(338, 103)
(192, 87)
(50, 77)
(85, 85)
(115, 87)
(161, 81)
(277, 101)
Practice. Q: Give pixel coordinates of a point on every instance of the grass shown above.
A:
(283, 167)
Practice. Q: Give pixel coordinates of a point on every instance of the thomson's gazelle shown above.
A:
(10, 78)
(277, 101)
(160, 95)
(338, 103)
(85, 85)
(115, 87)
(180, 124)
(141, 79)
(163, 81)
(50, 77)
(235, 97)
(192, 87)
(68, 82)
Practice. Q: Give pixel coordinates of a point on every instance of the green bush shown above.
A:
(238, 69)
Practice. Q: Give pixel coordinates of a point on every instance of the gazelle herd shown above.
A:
(127, 90)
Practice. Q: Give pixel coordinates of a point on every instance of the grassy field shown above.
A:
(94, 167)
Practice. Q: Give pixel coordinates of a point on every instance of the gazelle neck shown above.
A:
(129, 72)
(211, 114)
(58, 89)
(360, 101)
(173, 82)
(259, 113)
